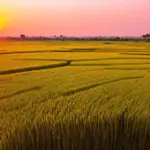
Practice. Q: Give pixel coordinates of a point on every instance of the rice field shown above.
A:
(74, 95)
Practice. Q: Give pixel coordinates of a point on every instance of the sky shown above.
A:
(74, 17)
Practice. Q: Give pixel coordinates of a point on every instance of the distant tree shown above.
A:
(146, 36)
(62, 37)
(117, 38)
(22, 36)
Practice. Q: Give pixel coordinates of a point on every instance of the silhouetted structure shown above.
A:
(22, 36)
(146, 36)
(81, 38)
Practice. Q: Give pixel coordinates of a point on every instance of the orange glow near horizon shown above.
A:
(4, 18)
(7, 16)
(2, 23)
(1, 20)
(74, 17)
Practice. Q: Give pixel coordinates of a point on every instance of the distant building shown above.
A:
(146, 36)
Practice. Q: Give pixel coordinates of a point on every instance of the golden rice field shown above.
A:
(73, 95)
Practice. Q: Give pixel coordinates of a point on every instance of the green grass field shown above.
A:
(66, 95)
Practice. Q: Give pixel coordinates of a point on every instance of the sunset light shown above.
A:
(4, 17)
(74, 74)
(1, 24)
(75, 17)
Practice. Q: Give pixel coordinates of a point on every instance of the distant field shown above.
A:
(66, 95)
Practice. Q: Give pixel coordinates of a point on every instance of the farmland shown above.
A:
(74, 95)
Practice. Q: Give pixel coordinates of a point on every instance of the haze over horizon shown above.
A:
(74, 17)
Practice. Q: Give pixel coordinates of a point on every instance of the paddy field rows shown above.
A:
(74, 95)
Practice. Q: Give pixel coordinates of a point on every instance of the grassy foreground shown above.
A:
(74, 96)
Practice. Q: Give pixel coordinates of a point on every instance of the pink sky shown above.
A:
(75, 17)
